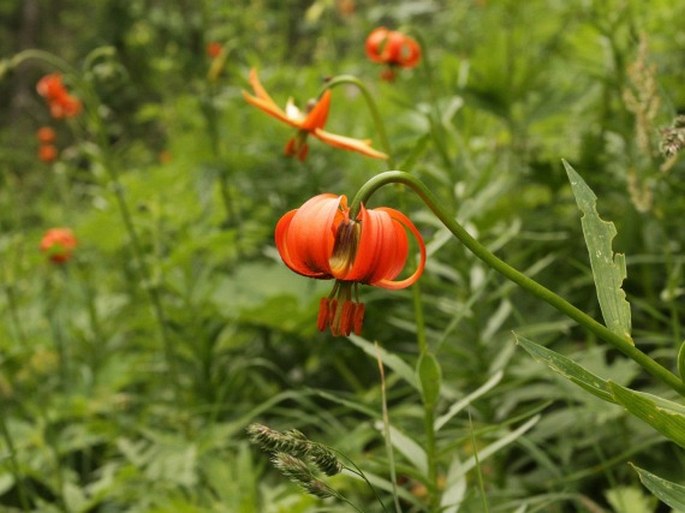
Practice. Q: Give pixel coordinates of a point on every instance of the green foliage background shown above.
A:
(99, 421)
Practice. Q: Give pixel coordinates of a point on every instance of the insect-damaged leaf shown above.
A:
(608, 268)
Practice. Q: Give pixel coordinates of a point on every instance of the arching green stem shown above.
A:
(373, 109)
(622, 344)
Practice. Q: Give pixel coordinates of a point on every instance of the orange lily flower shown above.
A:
(61, 103)
(392, 48)
(319, 240)
(47, 153)
(59, 244)
(309, 123)
(46, 135)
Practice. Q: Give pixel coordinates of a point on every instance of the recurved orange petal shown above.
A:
(410, 53)
(382, 250)
(374, 42)
(319, 114)
(403, 220)
(348, 143)
(305, 237)
(263, 101)
(257, 87)
(268, 106)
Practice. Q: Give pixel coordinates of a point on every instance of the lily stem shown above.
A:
(619, 342)
(373, 109)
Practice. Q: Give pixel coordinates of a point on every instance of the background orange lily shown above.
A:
(310, 122)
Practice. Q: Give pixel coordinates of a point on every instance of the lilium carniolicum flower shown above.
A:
(307, 123)
(58, 244)
(321, 241)
(392, 48)
(61, 103)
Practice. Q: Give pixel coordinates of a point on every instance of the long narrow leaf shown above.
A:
(389, 360)
(496, 446)
(665, 416)
(463, 403)
(568, 368)
(672, 494)
(409, 448)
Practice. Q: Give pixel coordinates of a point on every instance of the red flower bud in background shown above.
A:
(392, 48)
(319, 240)
(58, 244)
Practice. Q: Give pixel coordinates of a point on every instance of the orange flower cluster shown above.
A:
(61, 103)
(307, 123)
(320, 240)
(393, 49)
(47, 151)
(58, 244)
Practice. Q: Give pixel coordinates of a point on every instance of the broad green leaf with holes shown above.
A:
(608, 268)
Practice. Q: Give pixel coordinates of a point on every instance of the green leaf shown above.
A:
(390, 360)
(568, 368)
(495, 446)
(630, 499)
(463, 403)
(429, 376)
(608, 268)
(681, 361)
(665, 416)
(672, 494)
(408, 447)
(455, 487)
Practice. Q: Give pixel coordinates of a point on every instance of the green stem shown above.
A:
(431, 454)
(419, 318)
(386, 433)
(373, 109)
(14, 313)
(7, 436)
(621, 343)
(55, 317)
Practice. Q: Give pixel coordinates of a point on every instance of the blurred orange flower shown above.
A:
(309, 123)
(47, 152)
(45, 135)
(60, 102)
(319, 240)
(58, 244)
(213, 49)
(392, 48)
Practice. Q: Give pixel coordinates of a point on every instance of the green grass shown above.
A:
(129, 375)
